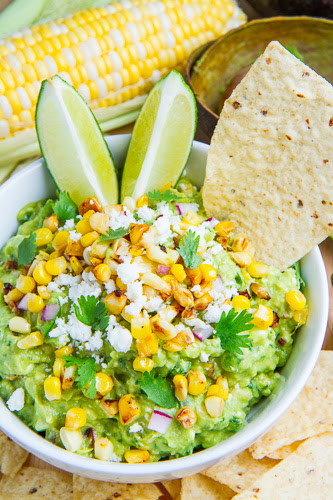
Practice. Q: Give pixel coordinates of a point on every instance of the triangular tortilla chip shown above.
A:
(89, 489)
(200, 487)
(12, 456)
(173, 487)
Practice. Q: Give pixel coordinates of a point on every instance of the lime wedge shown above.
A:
(73, 145)
(162, 137)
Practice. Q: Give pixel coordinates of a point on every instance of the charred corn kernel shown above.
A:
(89, 238)
(60, 240)
(263, 317)
(243, 259)
(56, 266)
(149, 292)
(140, 328)
(214, 406)
(109, 406)
(195, 275)
(205, 287)
(25, 284)
(83, 226)
(157, 254)
(296, 300)
(240, 302)
(143, 364)
(184, 297)
(216, 390)
(104, 383)
(148, 238)
(52, 388)
(155, 282)
(172, 346)
(68, 378)
(99, 250)
(224, 228)
(64, 351)
(43, 292)
(52, 223)
(197, 382)
(223, 382)
(136, 250)
(179, 272)
(163, 329)
(180, 383)
(76, 265)
(191, 218)
(259, 291)
(43, 236)
(103, 449)
(74, 248)
(19, 325)
(99, 222)
(240, 242)
(35, 303)
(137, 232)
(41, 276)
(186, 417)
(121, 285)
(58, 368)
(129, 203)
(171, 280)
(147, 346)
(34, 339)
(142, 201)
(137, 456)
(75, 418)
(90, 204)
(300, 316)
(14, 295)
(203, 302)
(184, 338)
(71, 439)
(257, 269)
(129, 410)
(102, 272)
(115, 302)
(208, 272)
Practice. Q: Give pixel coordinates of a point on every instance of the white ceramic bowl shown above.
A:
(34, 183)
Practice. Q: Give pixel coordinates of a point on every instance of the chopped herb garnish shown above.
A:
(26, 250)
(85, 373)
(65, 208)
(158, 390)
(114, 234)
(188, 249)
(168, 195)
(92, 312)
(230, 326)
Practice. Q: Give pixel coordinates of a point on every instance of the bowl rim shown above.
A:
(12, 426)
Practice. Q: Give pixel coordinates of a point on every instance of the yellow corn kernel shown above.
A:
(224, 228)
(104, 383)
(179, 272)
(155, 282)
(203, 302)
(243, 259)
(52, 223)
(172, 346)
(142, 201)
(121, 285)
(115, 302)
(156, 254)
(41, 276)
(52, 388)
(184, 297)
(147, 346)
(34, 339)
(257, 269)
(103, 449)
(129, 410)
(74, 248)
(148, 238)
(60, 240)
(208, 272)
(216, 390)
(56, 266)
(186, 417)
(137, 232)
(87, 215)
(89, 238)
(240, 243)
(263, 317)
(42, 256)
(300, 316)
(197, 382)
(76, 265)
(191, 218)
(296, 300)
(163, 328)
(143, 364)
(137, 456)
(35, 303)
(140, 328)
(19, 325)
(136, 250)
(102, 272)
(99, 250)
(68, 378)
(43, 292)
(109, 406)
(75, 418)
(223, 382)
(90, 205)
(14, 295)
(181, 388)
(71, 439)
(195, 275)
(43, 236)
(83, 226)
(58, 368)
(240, 302)
(25, 284)
(55, 254)
(99, 222)
(214, 406)
(64, 351)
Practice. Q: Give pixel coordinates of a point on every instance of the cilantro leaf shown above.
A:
(26, 250)
(228, 328)
(188, 249)
(64, 207)
(158, 390)
(85, 373)
(114, 234)
(48, 326)
(92, 312)
(168, 195)
(300, 280)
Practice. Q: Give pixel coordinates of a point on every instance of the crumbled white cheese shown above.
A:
(119, 219)
(153, 304)
(74, 236)
(67, 280)
(134, 308)
(164, 232)
(16, 400)
(214, 311)
(163, 208)
(52, 287)
(59, 331)
(104, 366)
(204, 357)
(115, 458)
(95, 343)
(69, 224)
(195, 322)
(196, 288)
(119, 337)
(77, 330)
(62, 300)
(145, 214)
(128, 272)
(110, 286)
(84, 289)
(134, 291)
(135, 428)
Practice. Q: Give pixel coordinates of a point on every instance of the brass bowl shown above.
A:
(214, 69)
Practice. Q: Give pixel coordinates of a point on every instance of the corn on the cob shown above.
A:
(112, 55)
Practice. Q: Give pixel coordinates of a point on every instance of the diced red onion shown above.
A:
(49, 312)
(183, 208)
(218, 284)
(159, 422)
(163, 269)
(208, 220)
(23, 304)
(202, 333)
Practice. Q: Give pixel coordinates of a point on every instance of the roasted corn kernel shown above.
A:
(43, 236)
(137, 232)
(89, 238)
(99, 222)
(68, 378)
(197, 382)
(71, 439)
(19, 325)
(25, 284)
(109, 406)
(142, 201)
(240, 302)
(115, 302)
(58, 368)
(64, 351)
(56, 266)
(240, 243)
(129, 409)
(184, 297)
(102, 273)
(296, 300)
(90, 204)
(179, 272)
(60, 240)
(242, 259)
(214, 406)
(257, 269)
(75, 418)
(34, 339)
(209, 272)
(52, 388)
(83, 226)
(263, 317)
(137, 456)
(52, 223)
(41, 276)
(43, 292)
(103, 449)
(224, 228)
(147, 346)
(35, 303)
(155, 282)
(143, 364)
(259, 291)
(223, 382)
(76, 265)
(181, 387)
(186, 417)
(140, 327)
(104, 383)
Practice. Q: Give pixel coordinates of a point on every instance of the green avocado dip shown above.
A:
(143, 333)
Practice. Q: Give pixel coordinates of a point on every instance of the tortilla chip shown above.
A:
(200, 487)
(173, 487)
(89, 489)
(241, 471)
(270, 164)
(285, 451)
(38, 484)
(12, 456)
(305, 474)
(310, 414)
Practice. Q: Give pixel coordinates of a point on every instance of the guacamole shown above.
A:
(140, 331)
